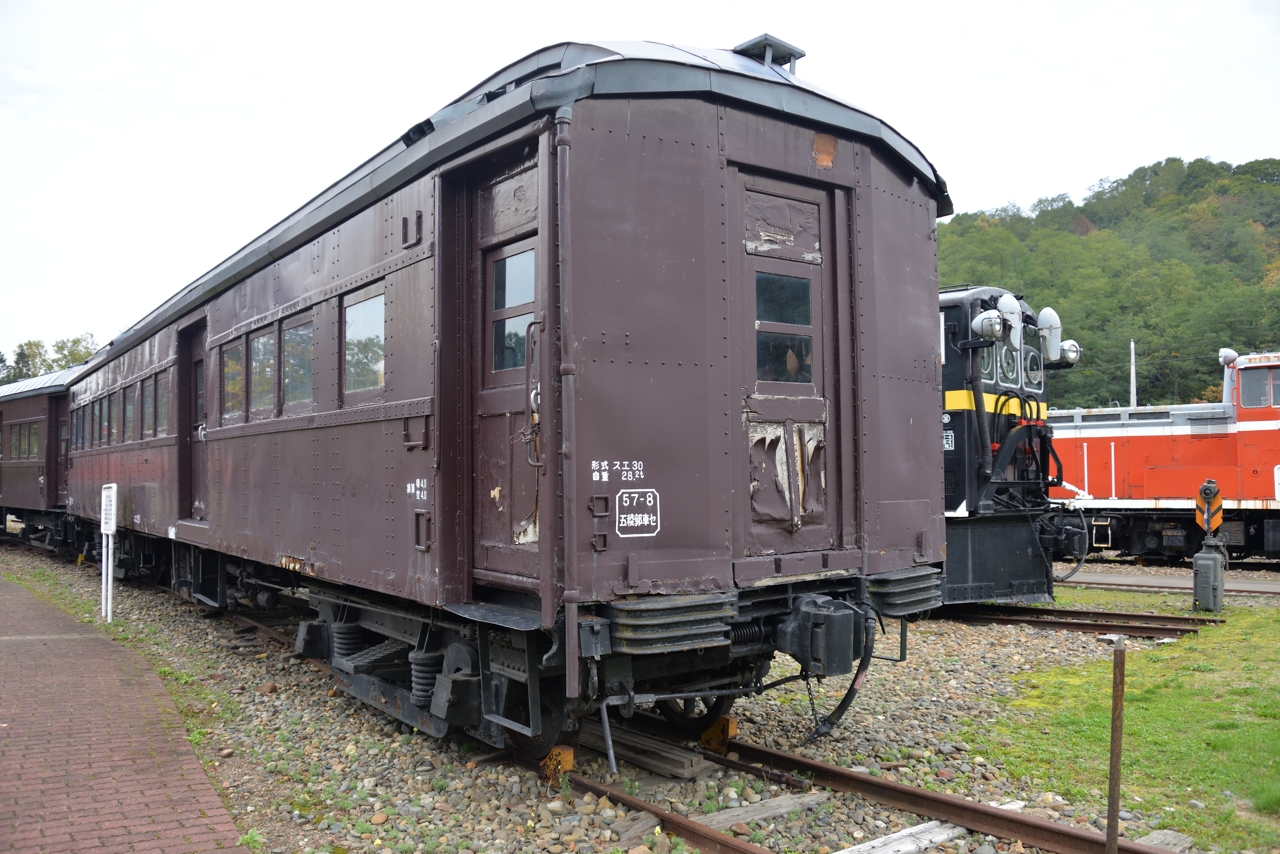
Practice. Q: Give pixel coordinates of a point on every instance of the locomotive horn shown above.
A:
(1050, 333)
(1009, 309)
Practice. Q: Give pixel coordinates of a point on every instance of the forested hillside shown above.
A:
(1182, 257)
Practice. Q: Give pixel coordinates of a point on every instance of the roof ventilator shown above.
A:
(771, 51)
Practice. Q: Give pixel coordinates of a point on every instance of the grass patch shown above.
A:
(1200, 720)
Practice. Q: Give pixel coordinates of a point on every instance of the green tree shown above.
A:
(1181, 257)
(29, 360)
(73, 351)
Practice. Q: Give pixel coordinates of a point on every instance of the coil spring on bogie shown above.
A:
(348, 639)
(424, 668)
(741, 633)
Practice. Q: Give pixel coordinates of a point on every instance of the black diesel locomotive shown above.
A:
(999, 461)
(603, 385)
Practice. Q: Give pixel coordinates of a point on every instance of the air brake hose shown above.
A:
(831, 721)
(980, 409)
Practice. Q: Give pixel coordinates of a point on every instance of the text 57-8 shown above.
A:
(636, 499)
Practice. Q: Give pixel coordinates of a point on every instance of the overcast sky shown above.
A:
(142, 143)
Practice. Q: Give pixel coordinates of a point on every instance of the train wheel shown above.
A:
(553, 716)
(694, 716)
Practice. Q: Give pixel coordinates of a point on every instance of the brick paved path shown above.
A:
(93, 754)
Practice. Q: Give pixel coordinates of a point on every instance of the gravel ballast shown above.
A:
(305, 767)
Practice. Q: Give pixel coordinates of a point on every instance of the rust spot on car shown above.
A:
(824, 150)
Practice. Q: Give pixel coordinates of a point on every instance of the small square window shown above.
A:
(783, 358)
(509, 342)
(782, 299)
(513, 280)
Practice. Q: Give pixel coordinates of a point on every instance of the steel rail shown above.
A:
(1129, 585)
(1098, 627)
(699, 836)
(972, 815)
(1081, 614)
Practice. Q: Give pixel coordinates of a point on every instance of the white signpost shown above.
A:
(108, 547)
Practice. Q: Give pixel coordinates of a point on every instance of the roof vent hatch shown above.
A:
(771, 51)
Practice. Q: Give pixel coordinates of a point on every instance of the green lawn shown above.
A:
(1202, 717)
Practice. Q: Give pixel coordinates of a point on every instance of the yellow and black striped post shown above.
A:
(1209, 507)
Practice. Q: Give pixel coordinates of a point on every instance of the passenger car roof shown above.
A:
(54, 383)
(545, 80)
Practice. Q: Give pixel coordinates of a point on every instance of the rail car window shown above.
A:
(1255, 387)
(987, 363)
(130, 426)
(363, 364)
(148, 407)
(1032, 368)
(15, 443)
(1008, 362)
(297, 364)
(782, 299)
(513, 281)
(232, 383)
(113, 418)
(28, 441)
(514, 277)
(262, 373)
(783, 312)
(162, 400)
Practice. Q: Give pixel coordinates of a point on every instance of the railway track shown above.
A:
(1234, 586)
(1075, 620)
(802, 773)
(796, 772)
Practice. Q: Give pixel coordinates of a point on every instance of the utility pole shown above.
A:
(1133, 375)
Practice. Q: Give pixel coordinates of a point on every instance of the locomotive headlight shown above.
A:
(1011, 312)
(1227, 357)
(1071, 352)
(1050, 327)
(989, 326)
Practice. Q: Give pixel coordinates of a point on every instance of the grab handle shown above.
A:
(532, 394)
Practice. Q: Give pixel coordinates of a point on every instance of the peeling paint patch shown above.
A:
(783, 228)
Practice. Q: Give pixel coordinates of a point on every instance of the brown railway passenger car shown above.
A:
(611, 379)
(34, 435)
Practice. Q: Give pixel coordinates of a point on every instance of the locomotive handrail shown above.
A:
(529, 434)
